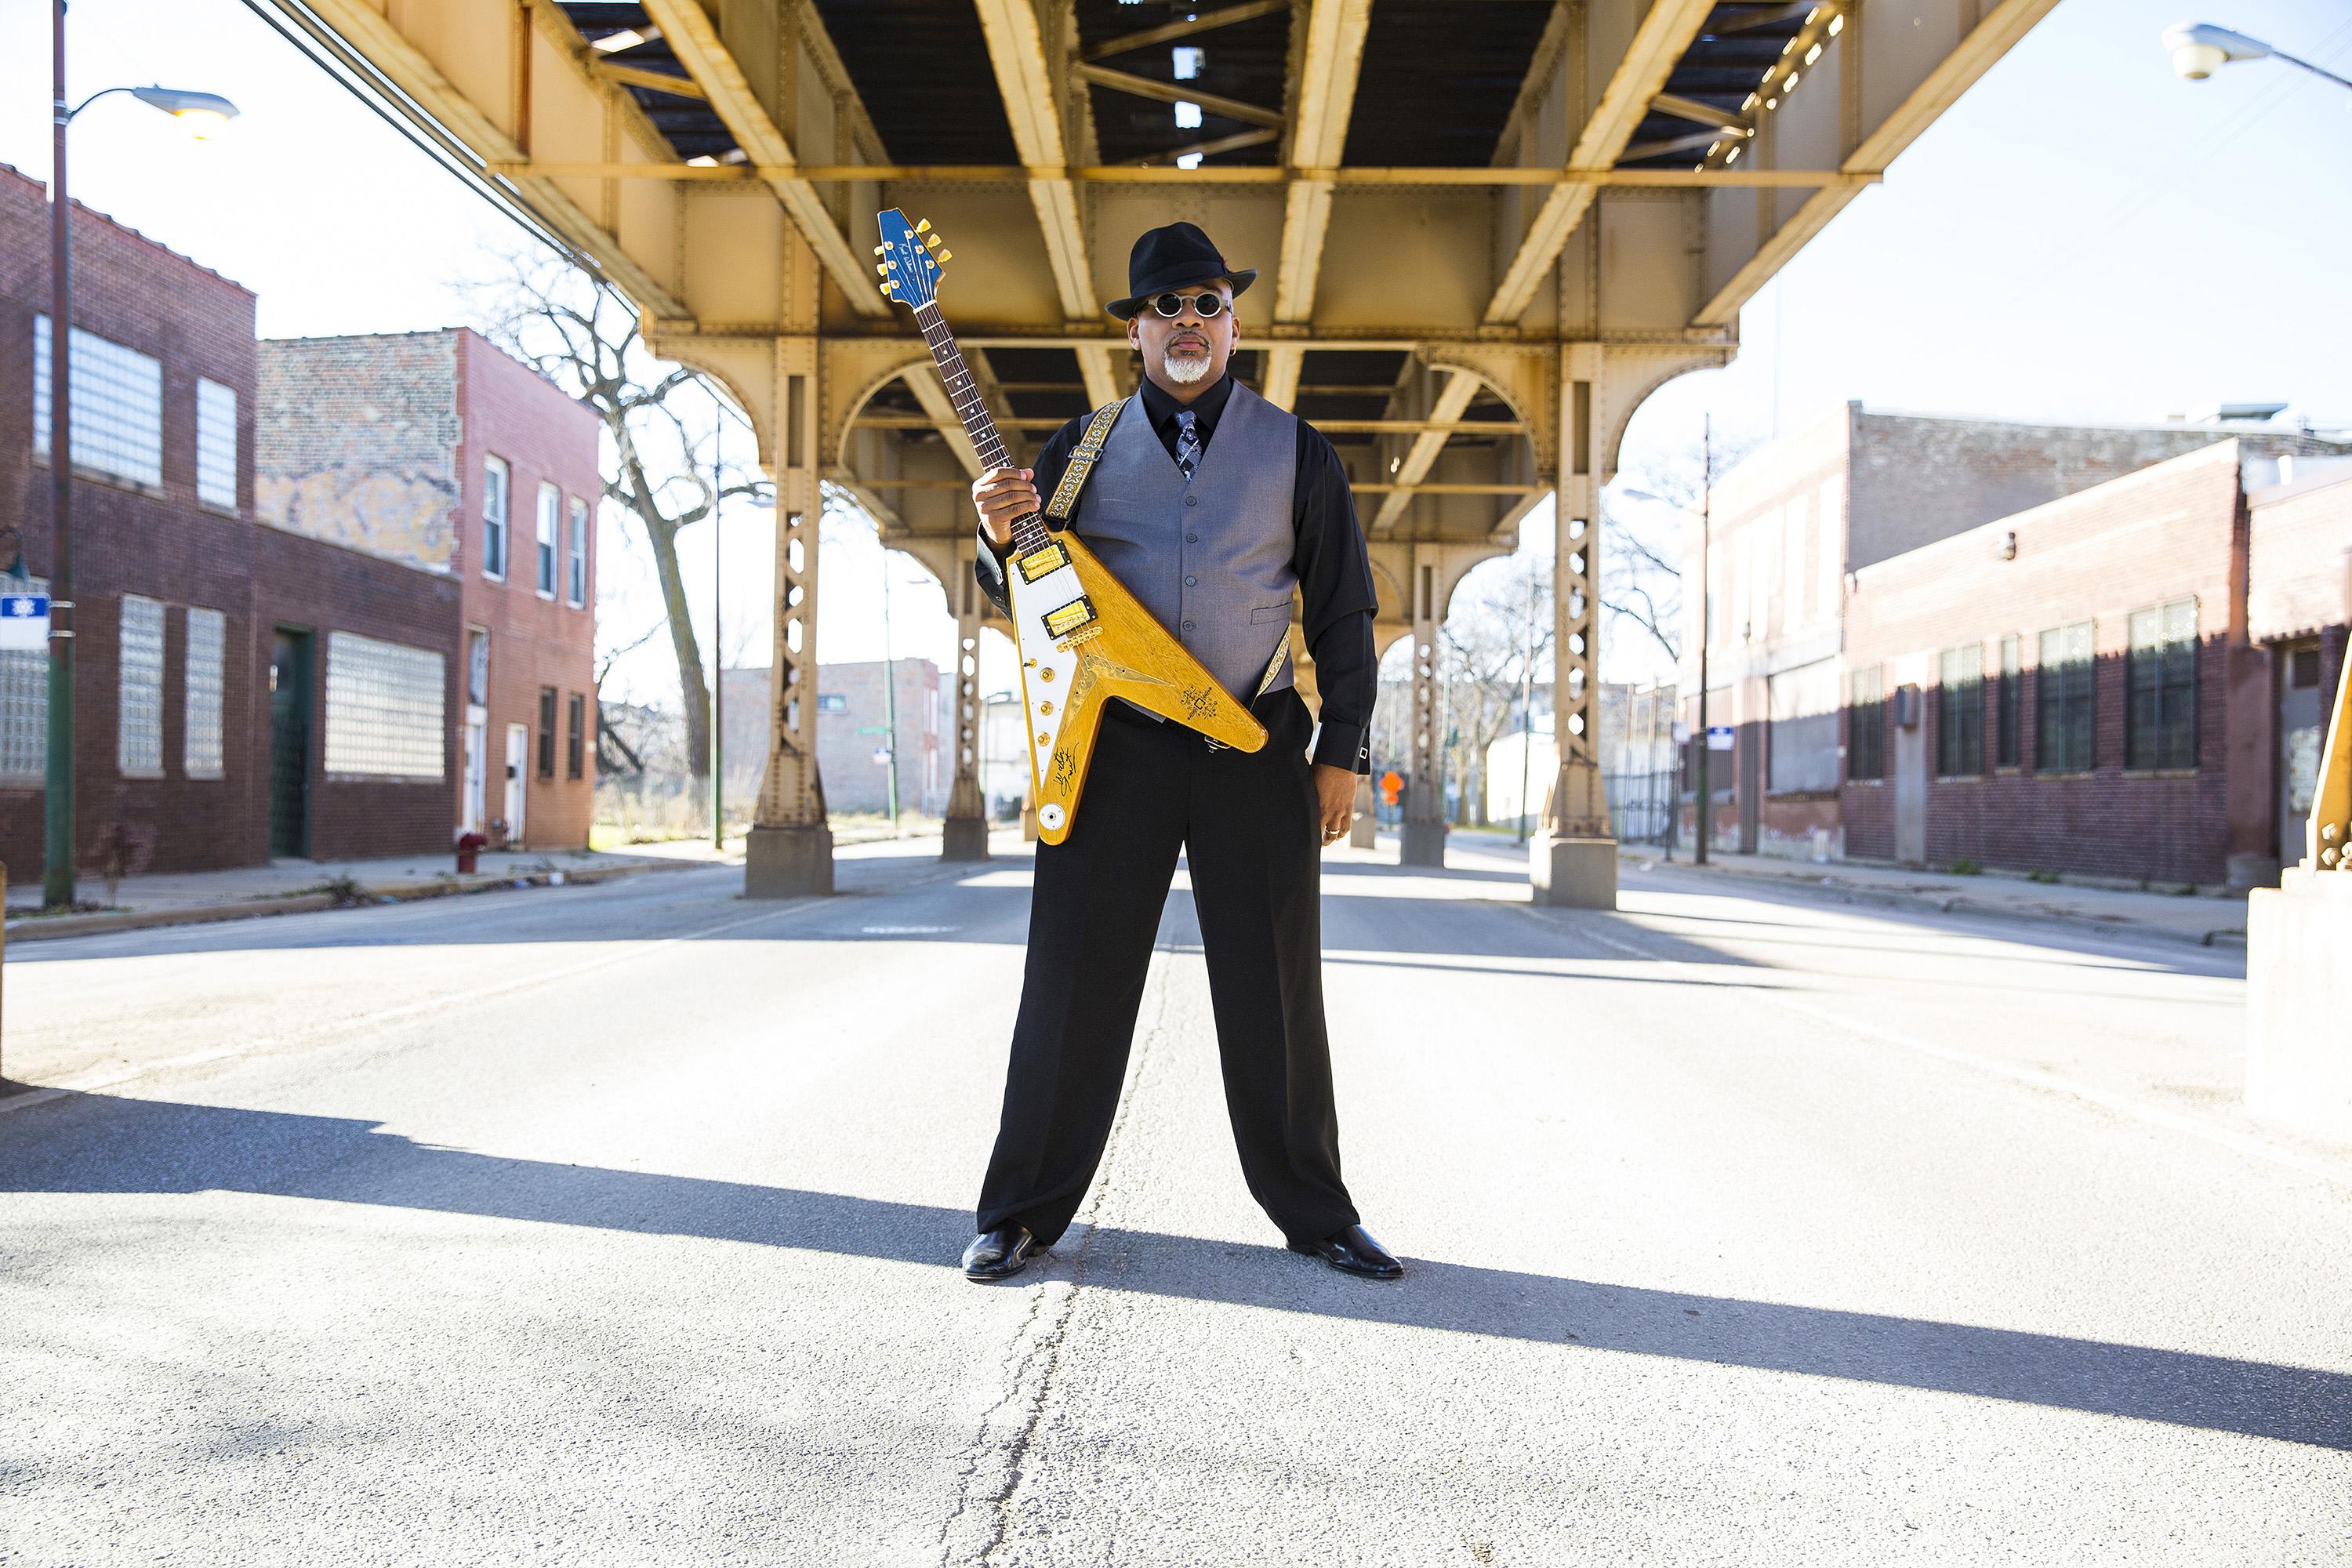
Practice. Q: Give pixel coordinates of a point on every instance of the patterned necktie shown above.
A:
(1188, 444)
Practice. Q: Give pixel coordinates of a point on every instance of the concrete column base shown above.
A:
(794, 861)
(1425, 845)
(1360, 833)
(1573, 873)
(2298, 997)
(963, 839)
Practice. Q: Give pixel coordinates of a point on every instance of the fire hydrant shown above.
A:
(470, 850)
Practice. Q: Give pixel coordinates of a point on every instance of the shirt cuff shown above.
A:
(1344, 746)
(991, 559)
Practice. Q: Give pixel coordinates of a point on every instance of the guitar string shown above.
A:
(1029, 532)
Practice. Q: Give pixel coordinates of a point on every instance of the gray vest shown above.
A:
(1211, 560)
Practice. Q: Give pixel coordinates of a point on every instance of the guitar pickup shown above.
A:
(1077, 614)
(1040, 563)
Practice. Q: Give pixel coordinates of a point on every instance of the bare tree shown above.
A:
(1495, 651)
(583, 335)
(1642, 546)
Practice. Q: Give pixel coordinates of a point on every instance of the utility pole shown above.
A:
(58, 782)
(718, 640)
(1705, 625)
(890, 691)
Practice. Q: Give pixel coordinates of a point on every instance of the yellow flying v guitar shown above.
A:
(1083, 637)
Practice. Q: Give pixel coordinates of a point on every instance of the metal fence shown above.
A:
(1642, 806)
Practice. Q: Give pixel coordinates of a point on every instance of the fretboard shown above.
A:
(1029, 532)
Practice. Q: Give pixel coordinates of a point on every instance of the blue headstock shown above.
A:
(908, 259)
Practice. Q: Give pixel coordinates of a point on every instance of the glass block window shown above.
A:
(575, 575)
(547, 731)
(1865, 725)
(2065, 707)
(2011, 683)
(139, 712)
(118, 406)
(1800, 753)
(496, 484)
(23, 703)
(217, 445)
(2160, 677)
(383, 709)
(1960, 713)
(575, 739)
(551, 509)
(200, 753)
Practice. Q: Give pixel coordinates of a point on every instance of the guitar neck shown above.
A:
(1028, 531)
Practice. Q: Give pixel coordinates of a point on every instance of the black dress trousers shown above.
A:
(1250, 827)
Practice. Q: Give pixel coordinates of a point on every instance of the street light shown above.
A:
(1705, 805)
(201, 113)
(2201, 48)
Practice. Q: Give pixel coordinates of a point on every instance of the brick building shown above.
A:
(240, 692)
(852, 723)
(1919, 671)
(437, 450)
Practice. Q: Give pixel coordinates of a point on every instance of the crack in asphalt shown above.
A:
(994, 1467)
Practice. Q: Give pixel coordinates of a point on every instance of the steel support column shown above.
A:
(964, 835)
(1424, 807)
(1573, 861)
(789, 854)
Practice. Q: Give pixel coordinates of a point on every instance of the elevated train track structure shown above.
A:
(1487, 230)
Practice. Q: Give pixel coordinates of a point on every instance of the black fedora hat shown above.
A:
(1170, 258)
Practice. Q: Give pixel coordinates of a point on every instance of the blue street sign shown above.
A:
(24, 623)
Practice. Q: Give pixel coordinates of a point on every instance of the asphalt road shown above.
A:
(617, 1226)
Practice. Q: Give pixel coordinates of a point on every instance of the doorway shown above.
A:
(2300, 722)
(518, 760)
(1910, 777)
(290, 745)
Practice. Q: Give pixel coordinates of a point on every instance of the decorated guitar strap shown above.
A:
(1082, 461)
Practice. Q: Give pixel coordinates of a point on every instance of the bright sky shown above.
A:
(2084, 236)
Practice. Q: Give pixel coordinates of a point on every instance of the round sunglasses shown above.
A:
(1205, 305)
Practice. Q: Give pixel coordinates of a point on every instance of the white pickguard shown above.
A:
(1047, 668)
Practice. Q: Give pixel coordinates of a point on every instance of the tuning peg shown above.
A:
(881, 251)
(932, 240)
(923, 225)
(880, 270)
(945, 254)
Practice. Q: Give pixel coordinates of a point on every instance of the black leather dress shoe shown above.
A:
(1353, 1251)
(998, 1254)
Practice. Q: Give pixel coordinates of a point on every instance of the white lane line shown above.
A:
(2036, 1077)
(350, 1029)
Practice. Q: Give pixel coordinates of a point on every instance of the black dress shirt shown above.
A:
(1335, 574)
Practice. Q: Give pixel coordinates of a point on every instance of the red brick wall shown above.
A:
(162, 545)
(508, 411)
(2168, 531)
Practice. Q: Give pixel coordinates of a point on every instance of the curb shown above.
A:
(25, 929)
(1961, 904)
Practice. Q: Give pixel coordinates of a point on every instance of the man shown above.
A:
(1264, 512)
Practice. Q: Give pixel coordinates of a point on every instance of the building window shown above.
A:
(2065, 707)
(118, 406)
(139, 713)
(575, 575)
(575, 739)
(496, 484)
(2006, 722)
(832, 702)
(547, 731)
(217, 445)
(1801, 751)
(1960, 713)
(550, 507)
(201, 748)
(1865, 742)
(2160, 677)
(384, 707)
(23, 702)
(478, 667)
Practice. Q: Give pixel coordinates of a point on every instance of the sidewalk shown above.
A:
(295, 886)
(2205, 921)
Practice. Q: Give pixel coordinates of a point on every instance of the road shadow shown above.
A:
(103, 1144)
